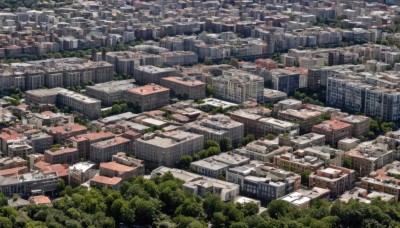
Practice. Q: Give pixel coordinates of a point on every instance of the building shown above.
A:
(276, 127)
(336, 179)
(285, 81)
(272, 96)
(327, 154)
(40, 142)
(370, 156)
(333, 130)
(180, 58)
(40, 200)
(61, 133)
(167, 148)
(114, 169)
(147, 98)
(104, 150)
(288, 104)
(19, 148)
(303, 198)
(347, 144)
(262, 182)
(302, 141)
(217, 165)
(217, 128)
(106, 182)
(185, 88)
(298, 161)
(109, 91)
(81, 172)
(362, 195)
(89, 107)
(12, 162)
(305, 118)
(250, 119)
(83, 141)
(152, 74)
(124, 62)
(200, 185)
(28, 184)
(62, 156)
(361, 124)
(123, 159)
(238, 86)
(262, 150)
(384, 180)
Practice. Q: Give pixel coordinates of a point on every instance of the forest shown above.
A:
(163, 203)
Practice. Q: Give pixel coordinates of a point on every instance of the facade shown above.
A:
(263, 182)
(167, 148)
(27, 184)
(218, 127)
(200, 185)
(181, 58)
(250, 119)
(62, 156)
(305, 118)
(185, 88)
(152, 74)
(302, 141)
(361, 124)
(148, 97)
(272, 96)
(12, 162)
(298, 161)
(238, 86)
(369, 156)
(40, 142)
(104, 150)
(333, 130)
(262, 150)
(83, 141)
(336, 179)
(109, 91)
(62, 133)
(285, 81)
(81, 172)
(384, 180)
(217, 165)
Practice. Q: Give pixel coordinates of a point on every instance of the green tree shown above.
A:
(305, 174)
(250, 209)
(208, 61)
(249, 138)
(5, 222)
(226, 144)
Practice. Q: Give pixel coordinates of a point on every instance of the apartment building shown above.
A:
(333, 130)
(362, 195)
(369, 156)
(262, 182)
(148, 97)
(62, 156)
(218, 127)
(19, 148)
(217, 165)
(250, 119)
(327, 154)
(384, 180)
(114, 169)
(109, 91)
(106, 182)
(298, 161)
(303, 198)
(27, 184)
(302, 141)
(61, 133)
(276, 127)
(12, 162)
(181, 58)
(200, 185)
(89, 107)
(152, 74)
(336, 179)
(83, 141)
(81, 172)
(238, 86)
(285, 81)
(361, 124)
(124, 62)
(123, 159)
(272, 96)
(40, 142)
(185, 88)
(262, 150)
(305, 118)
(104, 150)
(167, 148)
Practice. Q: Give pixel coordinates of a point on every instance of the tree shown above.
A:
(212, 203)
(279, 208)
(185, 161)
(250, 209)
(211, 143)
(5, 222)
(249, 138)
(208, 61)
(305, 174)
(3, 200)
(270, 137)
(348, 162)
(226, 144)
(210, 90)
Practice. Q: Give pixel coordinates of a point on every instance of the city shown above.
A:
(197, 113)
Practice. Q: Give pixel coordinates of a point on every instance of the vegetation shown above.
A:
(314, 98)
(163, 203)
